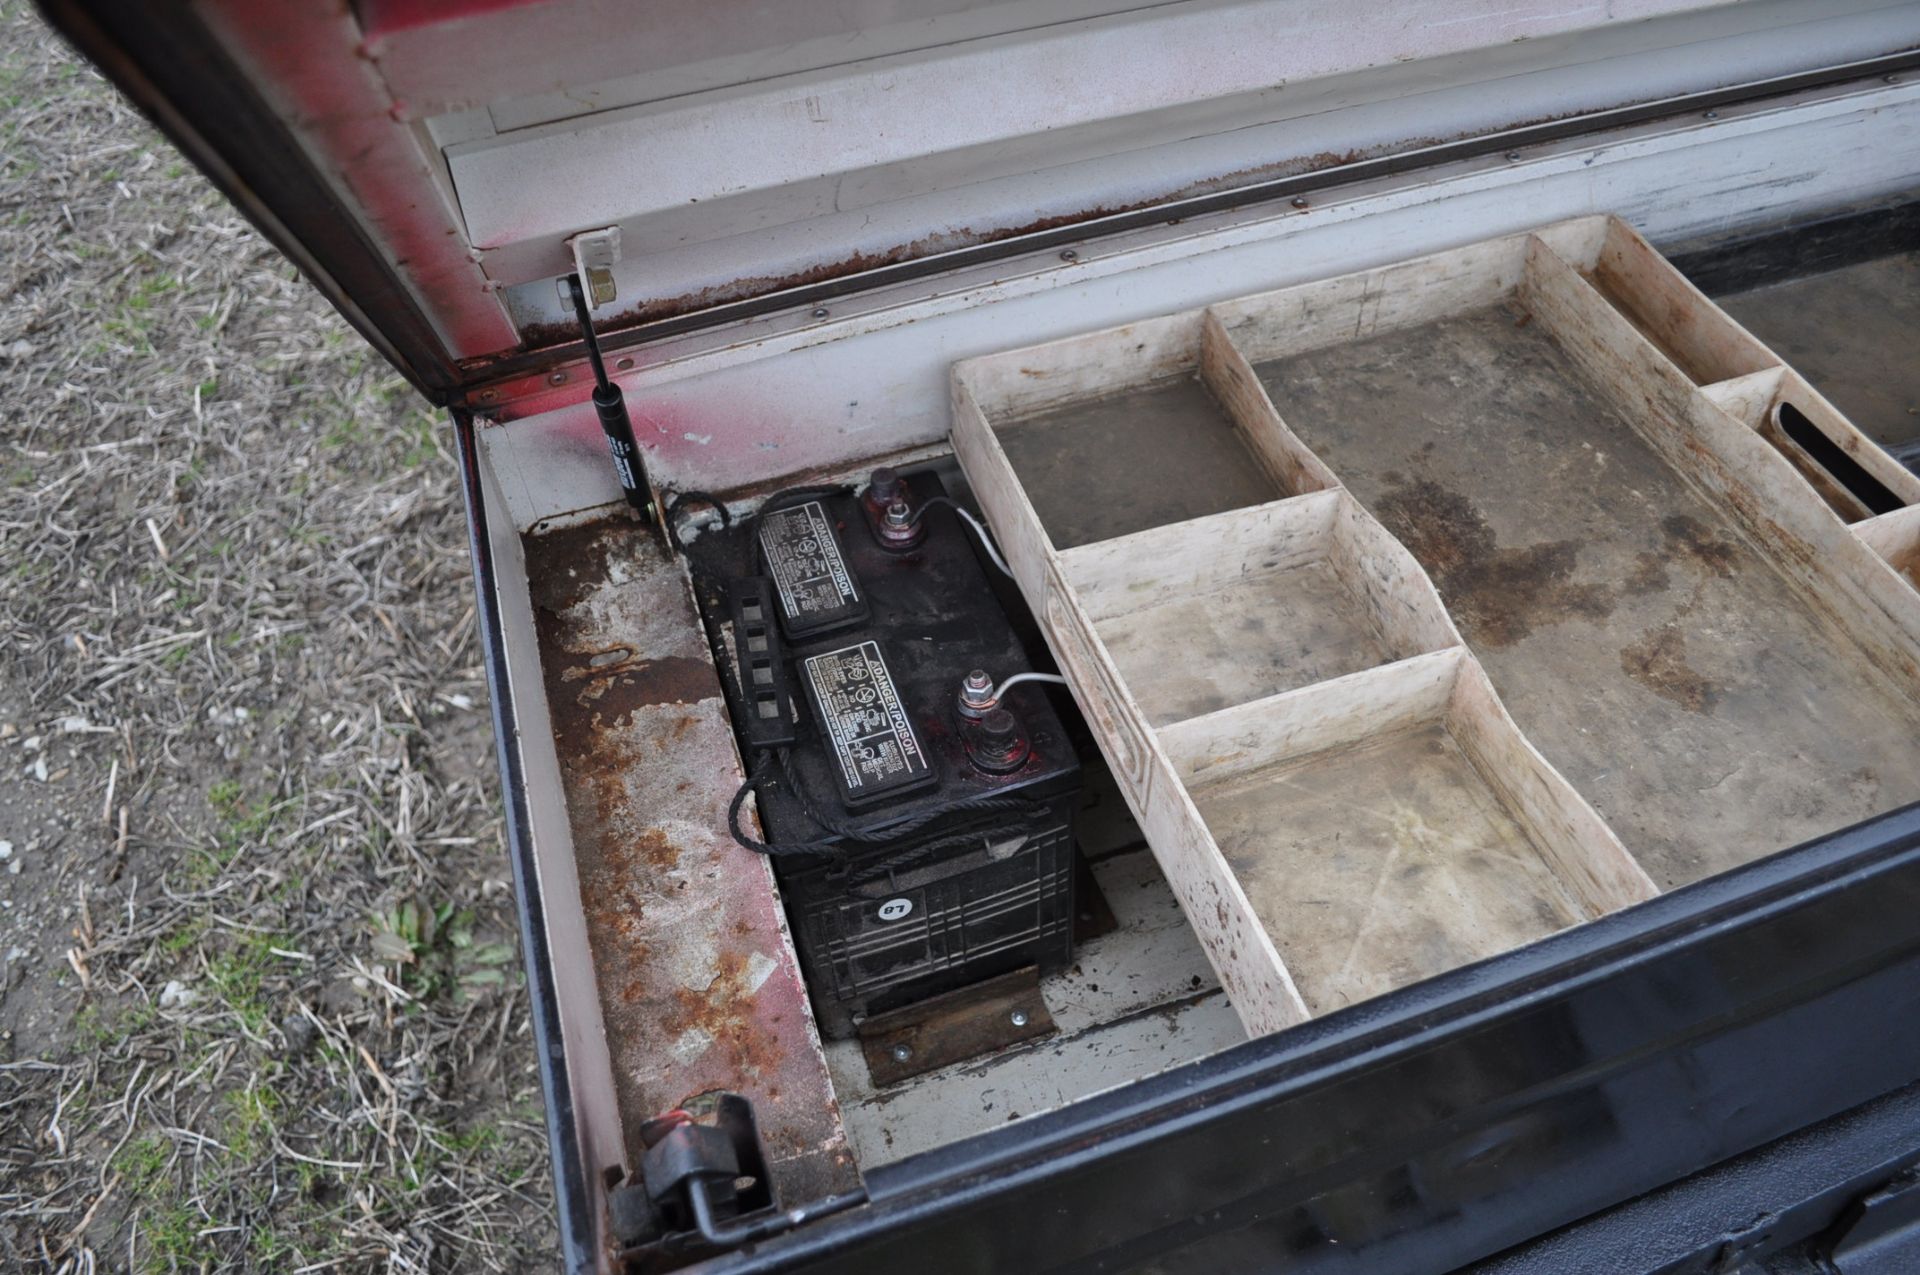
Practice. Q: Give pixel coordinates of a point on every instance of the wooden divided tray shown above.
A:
(1426, 611)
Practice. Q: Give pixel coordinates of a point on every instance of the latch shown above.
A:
(703, 1186)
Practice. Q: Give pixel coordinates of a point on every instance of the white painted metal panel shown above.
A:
(720, 192)
(788, 393)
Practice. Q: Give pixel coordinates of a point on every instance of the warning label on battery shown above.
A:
(866, 727)
(816, 589)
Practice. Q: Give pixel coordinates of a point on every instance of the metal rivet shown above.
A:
(820, 312)
(902, 1052)
(1711, 115)
(558, 378)
(625, 365)
(1068, 254)
(1299, 201)
(1513, 157)
(1019, 1018)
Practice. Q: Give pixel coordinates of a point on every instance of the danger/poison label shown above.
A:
(865, 725)
(809, 572)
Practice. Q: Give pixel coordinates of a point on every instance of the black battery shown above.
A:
(919, 848)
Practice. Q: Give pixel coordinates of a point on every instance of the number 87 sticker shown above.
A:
(895, 909)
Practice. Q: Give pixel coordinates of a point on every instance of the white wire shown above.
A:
(986, 542)
(1018, 678)
(986, 539)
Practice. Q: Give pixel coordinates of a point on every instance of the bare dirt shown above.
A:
(260, 997)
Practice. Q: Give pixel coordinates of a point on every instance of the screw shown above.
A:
(821, 312)
(558, 378)
(902, 1052)
(1019, 1018)
(625, 365)
(1299, 201)
(1068, 254)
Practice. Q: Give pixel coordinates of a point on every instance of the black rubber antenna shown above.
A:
(612, 408)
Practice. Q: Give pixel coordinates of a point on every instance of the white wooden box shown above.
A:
(1427, 610)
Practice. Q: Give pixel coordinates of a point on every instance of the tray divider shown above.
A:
(1009, 513)
(1406, 606)
(1829, 420)
(1896, 538)
(1732, 467)
(1748, 397)
(1697, 336)
(1291, 464)
(1234, 741)
(1161, 564)
(1252, 973)
(1583, 850)
(1243, 954)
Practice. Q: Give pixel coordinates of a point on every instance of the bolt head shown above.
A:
(902, 1052)
(1068, 254)
(1299, 201)
(1711, 115)
(1019, 1018)
(978, 680)
(821, 312)
(1513, 157)
(558, 378)
(625, 365)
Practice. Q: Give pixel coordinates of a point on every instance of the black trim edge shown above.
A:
(572, 1198)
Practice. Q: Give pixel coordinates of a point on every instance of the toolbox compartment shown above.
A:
(1482, 567)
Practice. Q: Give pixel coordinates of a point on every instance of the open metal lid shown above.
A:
(436, 166)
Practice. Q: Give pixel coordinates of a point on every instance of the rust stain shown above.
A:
(1649, 574)
(1688, 537)
(573, 562)
(723, 1011)
(1498, 595)
(1658, 661)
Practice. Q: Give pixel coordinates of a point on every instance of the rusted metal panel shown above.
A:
(698, 980)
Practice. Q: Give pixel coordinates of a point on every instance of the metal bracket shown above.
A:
(962, 1024)
(594, 254)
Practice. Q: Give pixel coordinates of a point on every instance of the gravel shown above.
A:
(260, 1000)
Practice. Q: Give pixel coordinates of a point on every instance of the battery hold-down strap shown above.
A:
(841, 837)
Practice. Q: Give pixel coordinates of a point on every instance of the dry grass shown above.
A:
(259, 1003)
